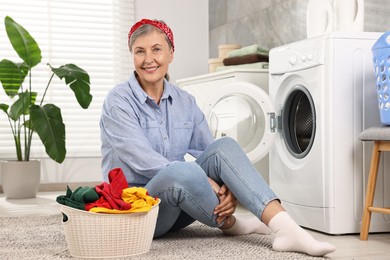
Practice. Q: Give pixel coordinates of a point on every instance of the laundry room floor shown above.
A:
(348, 246)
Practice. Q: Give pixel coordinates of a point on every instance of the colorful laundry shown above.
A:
(113, 197)
(139, 199)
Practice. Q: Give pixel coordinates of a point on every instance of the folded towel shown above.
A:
(251, 49)
(246, 59)
(257, 65)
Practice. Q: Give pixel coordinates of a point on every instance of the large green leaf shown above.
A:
(23, 43)
(4, 107)
(78, 80)
(12, 76)
(22, 104)
(47, 123)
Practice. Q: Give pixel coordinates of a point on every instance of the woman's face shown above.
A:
(152, 56)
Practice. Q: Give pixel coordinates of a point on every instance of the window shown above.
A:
(89, 33)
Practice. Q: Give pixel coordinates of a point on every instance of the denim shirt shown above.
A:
(142, 137)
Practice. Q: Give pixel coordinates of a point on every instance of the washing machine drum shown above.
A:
(241, 110)
(298, 119)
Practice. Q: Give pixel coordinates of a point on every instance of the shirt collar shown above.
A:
(142, 96)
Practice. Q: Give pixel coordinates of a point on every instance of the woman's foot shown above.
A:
(291, 237)
(242, 226)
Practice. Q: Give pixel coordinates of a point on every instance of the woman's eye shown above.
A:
(139, 52)
(156, 49)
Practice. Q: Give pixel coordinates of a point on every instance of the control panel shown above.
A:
(297, 56)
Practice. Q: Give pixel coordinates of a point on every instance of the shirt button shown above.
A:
(165, 138)
(161, 122)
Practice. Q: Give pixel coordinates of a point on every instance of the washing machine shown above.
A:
(324, 95)
(236, 104)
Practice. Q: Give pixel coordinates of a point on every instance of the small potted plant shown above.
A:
(27, 112)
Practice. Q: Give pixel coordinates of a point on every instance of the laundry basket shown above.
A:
(99, 235)
(381, 60)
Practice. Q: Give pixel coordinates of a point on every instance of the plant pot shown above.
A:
(20, 179)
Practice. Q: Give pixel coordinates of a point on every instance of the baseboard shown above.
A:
(47, 187)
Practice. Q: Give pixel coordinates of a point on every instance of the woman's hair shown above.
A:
(145, 29)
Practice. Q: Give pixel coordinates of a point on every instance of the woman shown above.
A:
(148, 125)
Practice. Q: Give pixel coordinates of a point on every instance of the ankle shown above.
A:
(228, 223)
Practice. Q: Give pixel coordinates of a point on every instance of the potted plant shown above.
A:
(27, 112)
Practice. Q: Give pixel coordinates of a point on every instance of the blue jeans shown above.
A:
(186, 194)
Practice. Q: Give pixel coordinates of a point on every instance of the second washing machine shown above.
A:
(324, 91)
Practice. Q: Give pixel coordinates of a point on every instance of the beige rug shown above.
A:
(43, 238)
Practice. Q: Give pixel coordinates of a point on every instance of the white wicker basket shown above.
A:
(98, 235)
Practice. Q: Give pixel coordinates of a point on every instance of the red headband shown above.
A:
(160, 25)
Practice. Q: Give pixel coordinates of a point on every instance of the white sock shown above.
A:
(291, 237)
(244, 226)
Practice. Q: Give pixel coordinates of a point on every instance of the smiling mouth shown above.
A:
(151, 69)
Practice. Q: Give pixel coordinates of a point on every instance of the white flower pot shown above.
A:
(20, 179)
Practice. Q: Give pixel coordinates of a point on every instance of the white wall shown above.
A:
(189, 22)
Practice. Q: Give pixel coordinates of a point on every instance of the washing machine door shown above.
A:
(244, 112)
(298, 122)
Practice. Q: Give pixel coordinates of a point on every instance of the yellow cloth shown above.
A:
(138, 198)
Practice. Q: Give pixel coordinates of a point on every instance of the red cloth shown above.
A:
(111, 193)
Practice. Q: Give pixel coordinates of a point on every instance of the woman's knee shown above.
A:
(226, 141)
(183, 174)
(227, 144)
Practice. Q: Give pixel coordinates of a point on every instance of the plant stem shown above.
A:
(30, 130)
(16, 139)
(30, 133)
(47, 87)
(18, 148)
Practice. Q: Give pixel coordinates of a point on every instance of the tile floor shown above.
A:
(348, 246)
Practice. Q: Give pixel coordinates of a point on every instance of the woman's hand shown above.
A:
(227, 205)
(228, 201)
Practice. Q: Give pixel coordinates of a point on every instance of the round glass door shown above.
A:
(238, 116)
(240, 110)
(299, 120)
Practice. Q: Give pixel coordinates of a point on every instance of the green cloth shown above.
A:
(79, 197)
(256, 65)
(251, 49)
